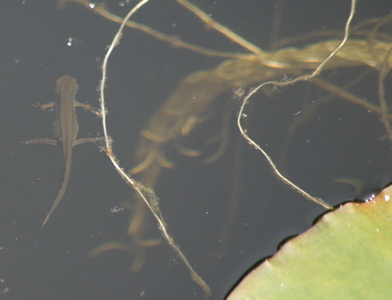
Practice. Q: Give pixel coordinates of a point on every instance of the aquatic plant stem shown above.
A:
(146, 194)
(316, 72)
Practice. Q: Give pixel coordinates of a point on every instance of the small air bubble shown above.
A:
(124, 3)
(5, 290)
(70, 42)
(116, 209)
(370, 197)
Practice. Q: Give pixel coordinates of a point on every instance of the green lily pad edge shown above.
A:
(346, 255)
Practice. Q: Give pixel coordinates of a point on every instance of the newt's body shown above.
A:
(66, 128)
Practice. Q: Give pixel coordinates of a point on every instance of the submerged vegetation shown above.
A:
(363, 46)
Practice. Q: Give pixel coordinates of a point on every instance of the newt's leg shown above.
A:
(88, 107)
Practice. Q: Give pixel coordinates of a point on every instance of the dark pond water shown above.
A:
(41, 43)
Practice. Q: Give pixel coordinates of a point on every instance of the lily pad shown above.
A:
(346, 255)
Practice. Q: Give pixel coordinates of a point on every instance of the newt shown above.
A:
(66, 128)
